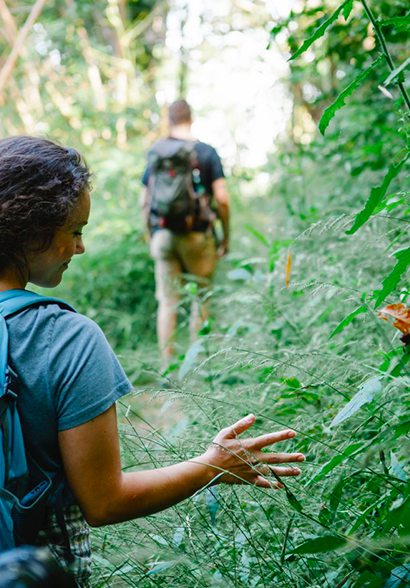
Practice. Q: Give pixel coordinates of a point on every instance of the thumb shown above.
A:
(238, 427)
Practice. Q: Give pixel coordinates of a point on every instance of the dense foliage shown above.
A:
(311, 354)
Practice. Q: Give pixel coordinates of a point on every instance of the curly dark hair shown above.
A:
(40, 183)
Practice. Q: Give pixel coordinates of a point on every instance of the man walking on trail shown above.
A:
(184, 185)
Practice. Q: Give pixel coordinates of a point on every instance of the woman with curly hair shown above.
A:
(69, 378)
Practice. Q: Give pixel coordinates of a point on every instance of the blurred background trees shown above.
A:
(98, 76)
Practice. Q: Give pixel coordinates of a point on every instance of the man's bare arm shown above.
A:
(222, 199)
(145, 205)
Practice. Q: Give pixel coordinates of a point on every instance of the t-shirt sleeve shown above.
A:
(216, 169)
(83, 371)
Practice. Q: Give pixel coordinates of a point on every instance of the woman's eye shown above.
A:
(77, 234)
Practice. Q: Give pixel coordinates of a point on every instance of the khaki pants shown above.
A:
(174, 255)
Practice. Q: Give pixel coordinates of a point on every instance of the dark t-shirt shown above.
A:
(209, 163)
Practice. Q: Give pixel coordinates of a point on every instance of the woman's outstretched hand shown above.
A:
(243, 458)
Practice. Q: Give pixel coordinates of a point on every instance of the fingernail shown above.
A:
(297, 470)
(301, 458)
(248, 418)
(291, 433)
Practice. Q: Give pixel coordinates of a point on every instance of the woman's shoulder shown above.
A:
(55, 321)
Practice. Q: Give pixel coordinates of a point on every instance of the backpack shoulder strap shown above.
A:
(13, 301)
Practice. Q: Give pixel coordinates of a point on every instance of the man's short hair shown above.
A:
(179, 112)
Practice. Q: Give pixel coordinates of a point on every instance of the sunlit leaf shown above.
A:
(397, 71)
(190, 358)
(244, 568)
(160, 567)
(348, 319)
(377, 194)
(391, 281)
(212, 502)
(331, 110)
(365, 395)
(178, 536)
(399, 577)
(396, 468)
(239, 274)
(320, 31)
(320, 545)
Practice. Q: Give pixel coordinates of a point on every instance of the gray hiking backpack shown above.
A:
(178, 199)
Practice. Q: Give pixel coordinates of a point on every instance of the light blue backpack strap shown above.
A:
(4, 347)
(13, 301)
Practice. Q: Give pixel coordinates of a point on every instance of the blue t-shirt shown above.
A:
(68, 375)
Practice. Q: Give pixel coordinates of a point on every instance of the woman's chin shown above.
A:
(50, 282)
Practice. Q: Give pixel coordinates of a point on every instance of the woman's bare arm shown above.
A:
(106, 495)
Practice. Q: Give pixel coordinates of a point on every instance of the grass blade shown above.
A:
(348, 319)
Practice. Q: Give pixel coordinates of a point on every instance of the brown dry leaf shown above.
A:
(288, 268)
(401, 313)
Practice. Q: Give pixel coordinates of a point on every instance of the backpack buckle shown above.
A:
(10, 395)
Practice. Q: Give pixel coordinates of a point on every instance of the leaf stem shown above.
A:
(386, 51)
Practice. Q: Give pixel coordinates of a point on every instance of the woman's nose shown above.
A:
(80, 247)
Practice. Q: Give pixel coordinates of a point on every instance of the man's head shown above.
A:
(179, 113)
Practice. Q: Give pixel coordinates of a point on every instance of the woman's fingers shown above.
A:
(279, 457)
(285, 472)
(270, 438)
(237, 428)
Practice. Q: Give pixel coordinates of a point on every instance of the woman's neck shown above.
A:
(12, 280)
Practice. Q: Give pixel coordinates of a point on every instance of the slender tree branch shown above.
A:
(10, 63)
(386, 51)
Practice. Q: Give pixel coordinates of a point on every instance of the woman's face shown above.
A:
(46, 269)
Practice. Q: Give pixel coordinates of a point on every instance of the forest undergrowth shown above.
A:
(287, 355)
(295, 336)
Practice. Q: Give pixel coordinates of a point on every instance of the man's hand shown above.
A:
(223, 248)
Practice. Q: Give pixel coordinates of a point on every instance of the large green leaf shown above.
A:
(320, 545)
(346, 7)
(397, 71)
(340, 100)
(365, 395)
(400, 22)
(377, 194)
(392, 280)
(348, 319)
